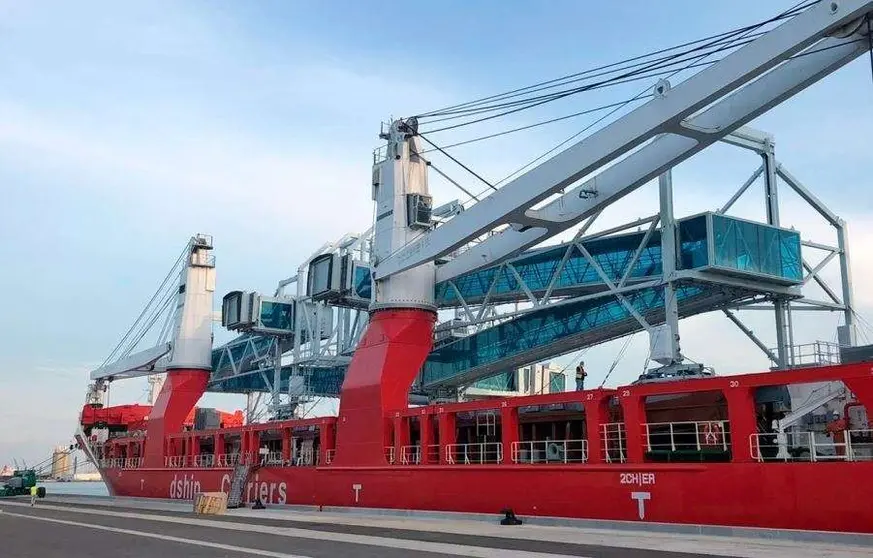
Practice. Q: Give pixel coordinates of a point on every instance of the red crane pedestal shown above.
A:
(386, 362)
(181, 391)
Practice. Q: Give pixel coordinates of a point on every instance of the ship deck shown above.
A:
(98, 527)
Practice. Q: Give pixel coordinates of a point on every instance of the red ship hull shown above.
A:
(807, 496)
(714, 463)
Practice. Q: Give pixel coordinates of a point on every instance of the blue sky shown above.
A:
(125, 128)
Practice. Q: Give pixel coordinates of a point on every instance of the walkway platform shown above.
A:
(73, 527)
(725, 261)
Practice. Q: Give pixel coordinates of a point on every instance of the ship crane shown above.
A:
(676, 123)
(409, 256)
(184, 300)
(689, 451)
(187, 314)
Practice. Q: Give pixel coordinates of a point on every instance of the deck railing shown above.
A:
(272, 459)
(614, 440)
(698, 436)
(389, 454)
(550, 451)
(121, 462)
(687, 435)
(860, 443)
(176, 461)
(226, 459)
(410, 455)
(413, 455)
(476, 453)
(204, 460)
(847, 445)
(305, 458)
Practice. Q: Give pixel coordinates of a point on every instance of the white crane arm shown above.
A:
(135, 365)
(662, 153)
(662, 115)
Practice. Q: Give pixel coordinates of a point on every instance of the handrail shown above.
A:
(121, 462)
(410, 455)
(614, 438)
(859, 444)
(249, 458)
(389, 454)
(413, 455)
(550, 451)
(204, 460)
(791, 446)
(474, 453)
(305, 458)
(272, 458)
(176, 461)
(226, 460)
(707, 434)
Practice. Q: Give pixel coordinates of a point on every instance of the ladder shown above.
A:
(237, 485)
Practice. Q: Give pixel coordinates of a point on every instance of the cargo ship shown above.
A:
(407, 325)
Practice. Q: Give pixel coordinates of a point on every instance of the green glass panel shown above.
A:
(557, 382)
(693, 243)
(505, 381)
(542, 328)
(789, 254)
(756, 248)
(277, 315)
(768, 251)
(363, 283)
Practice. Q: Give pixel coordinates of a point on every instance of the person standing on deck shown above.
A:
(580, 376)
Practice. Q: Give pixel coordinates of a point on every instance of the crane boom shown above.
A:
(669, 117)
(662, 153)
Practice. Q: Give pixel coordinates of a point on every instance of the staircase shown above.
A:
(241, 474)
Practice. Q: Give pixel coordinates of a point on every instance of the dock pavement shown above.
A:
(103, 527)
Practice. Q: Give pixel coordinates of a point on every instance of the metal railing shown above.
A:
(272, 458)
(846, 445)
(305, 458)
(226, 459)
(389, 454)
(550, 451)
(860, 444)
(818, 353)
(176, 461)
(208, 460)
(614, 439)
(121, 462)
(687, 435)
(410, 455)
(380, 154)
(475, 453)
(204, 460)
